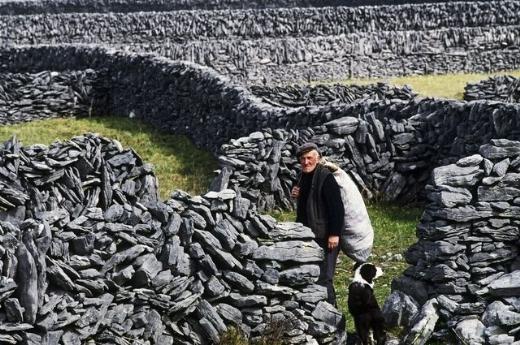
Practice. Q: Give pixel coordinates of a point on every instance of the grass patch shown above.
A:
(394, 232)
(449, 86)
(178, 164)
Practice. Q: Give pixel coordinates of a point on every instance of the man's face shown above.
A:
(309, 160)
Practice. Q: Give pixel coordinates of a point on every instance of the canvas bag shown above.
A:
(357, 236)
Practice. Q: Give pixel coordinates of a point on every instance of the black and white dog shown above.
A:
(362, 304)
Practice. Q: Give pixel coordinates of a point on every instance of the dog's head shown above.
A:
(367, 273)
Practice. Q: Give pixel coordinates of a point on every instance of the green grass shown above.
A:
(177, 163)
(394, 232)
(448, 86)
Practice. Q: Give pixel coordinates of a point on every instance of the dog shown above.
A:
(362, 304)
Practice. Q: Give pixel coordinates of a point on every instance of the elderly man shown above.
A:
(319, 206)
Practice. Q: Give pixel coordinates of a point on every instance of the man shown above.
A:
(319, 206)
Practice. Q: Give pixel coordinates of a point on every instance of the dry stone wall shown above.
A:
(89, 253)
(501, 88)
(147, 27)
(288, 45)
(390, 144)
(464, 273)
(27, 97)
(65, 6)
(389, 147)
(320, 95)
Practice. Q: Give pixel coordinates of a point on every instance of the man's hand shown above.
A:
(333, 242)
(295, 192)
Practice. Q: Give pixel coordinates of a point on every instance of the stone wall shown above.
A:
(320, 95)
(27, 97)
(464, 274)
(292, 45)
(89, 253)
(500, 88)
(65, 6)
(148, 27)
(389, 147)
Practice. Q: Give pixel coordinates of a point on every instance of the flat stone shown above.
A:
(343, 126)
(471, 331)
(295, 251)
(424, 324)
(456, 176)
(500, 149)
(399, 309)
(301, 275)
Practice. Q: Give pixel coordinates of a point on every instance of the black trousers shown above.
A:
(327, 269)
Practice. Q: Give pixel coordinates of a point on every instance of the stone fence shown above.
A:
(13, 7)
(89, 253)
(500, 88)
(293, 45)
(465, 269)
(389, 145)
(87, 226)
(148, 27)
(27, 97)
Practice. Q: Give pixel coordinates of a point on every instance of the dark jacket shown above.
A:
(320, 206)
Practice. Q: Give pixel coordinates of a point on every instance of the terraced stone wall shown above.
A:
(281, 45)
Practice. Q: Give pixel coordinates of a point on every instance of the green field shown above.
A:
(177, 162)
(449, 86)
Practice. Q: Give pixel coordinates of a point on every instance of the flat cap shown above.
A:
(307, 147)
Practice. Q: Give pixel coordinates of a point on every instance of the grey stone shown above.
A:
(456, 176)
(327, 313)
(343, 126)
(473, 160)
(424, 324)
(471, 331)
(295, 251)
(229, 313)
(243, 301)
(448, 196)
(399, 309)
(290, 231)
(206, 310)
(501, 167)
(239, 281)
(26, 280)
(301, 275)
(13, 310)
(499, 149)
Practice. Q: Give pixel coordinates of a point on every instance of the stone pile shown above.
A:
(501, 88)
(464, 273)
(320, 95)
(26, 97)
(88, 254)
